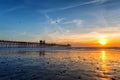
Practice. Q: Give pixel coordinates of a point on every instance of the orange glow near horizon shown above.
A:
(95, 41)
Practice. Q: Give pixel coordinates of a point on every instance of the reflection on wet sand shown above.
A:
(105, 72)
(41, 53)
(60, 65)
(104, 62)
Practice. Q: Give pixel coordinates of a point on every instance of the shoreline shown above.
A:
(61, 48)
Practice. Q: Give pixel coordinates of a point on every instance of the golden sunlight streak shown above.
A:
(104, 66)
(103, 56)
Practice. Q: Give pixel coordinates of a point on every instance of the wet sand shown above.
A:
(60, 65)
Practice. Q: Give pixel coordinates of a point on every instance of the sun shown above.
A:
(103, 41)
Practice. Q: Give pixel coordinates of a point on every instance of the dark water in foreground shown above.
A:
(60, 65)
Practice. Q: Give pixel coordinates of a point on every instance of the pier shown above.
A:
(21, 44)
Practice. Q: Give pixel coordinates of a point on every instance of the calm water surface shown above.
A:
(60, 65)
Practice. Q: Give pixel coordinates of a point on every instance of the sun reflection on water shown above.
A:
(104, 68)
(104, 61)
(103, 56)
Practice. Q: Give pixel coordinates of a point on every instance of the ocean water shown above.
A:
(60, 65)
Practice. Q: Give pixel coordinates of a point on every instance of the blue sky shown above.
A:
(59, 20)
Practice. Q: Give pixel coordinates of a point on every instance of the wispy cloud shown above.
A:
(59, 20)
(77, 22)
(11, 9)
(85, 3)
(54, 21)
(74, 5)
(63, 26)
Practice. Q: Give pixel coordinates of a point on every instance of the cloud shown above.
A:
(54, 24)
(52, 21)
(77, 22)
(11, 9)
(63, 21)
(74, 5)
(62, 25)
(56, 21)
(85, 3)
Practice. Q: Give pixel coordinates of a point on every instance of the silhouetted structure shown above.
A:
(20, 44)
(42, 41)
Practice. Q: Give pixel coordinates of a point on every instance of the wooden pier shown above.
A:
(20, 44)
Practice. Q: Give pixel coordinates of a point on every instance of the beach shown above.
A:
(60, 65)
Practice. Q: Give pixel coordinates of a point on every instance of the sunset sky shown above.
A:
(78, 22)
